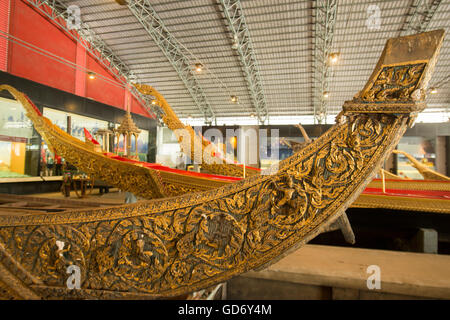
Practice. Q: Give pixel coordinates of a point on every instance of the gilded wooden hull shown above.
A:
(126, 174)
(190, 141)
(171, 246)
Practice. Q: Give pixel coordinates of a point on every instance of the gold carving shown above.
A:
(182, 244)
(411, 185)
(141, 181)
(210, 162)
(395, 83)
(171, 246)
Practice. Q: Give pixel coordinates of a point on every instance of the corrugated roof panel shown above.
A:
(281, 32)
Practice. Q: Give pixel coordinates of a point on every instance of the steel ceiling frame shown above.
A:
(232, 9)
(57, 11)
(174, 52)
(325, 19)
(419, 17)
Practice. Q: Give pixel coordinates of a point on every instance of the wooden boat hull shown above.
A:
(191, 141)
(171, 246)
(425, 171)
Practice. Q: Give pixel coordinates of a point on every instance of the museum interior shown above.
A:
(224, 149)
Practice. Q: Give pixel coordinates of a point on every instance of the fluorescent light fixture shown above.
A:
(198, 67)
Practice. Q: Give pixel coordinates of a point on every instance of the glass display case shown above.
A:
(19, 142)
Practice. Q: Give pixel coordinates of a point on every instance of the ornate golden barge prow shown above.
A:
(167, 247)
(146, 180)
(425, 172)
(190, 141)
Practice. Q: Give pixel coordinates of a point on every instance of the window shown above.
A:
(19, 142)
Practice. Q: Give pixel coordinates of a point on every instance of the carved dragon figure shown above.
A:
(171, 246)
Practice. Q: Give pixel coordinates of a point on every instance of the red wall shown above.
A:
(28, 25)
(4, 28)
(101, 90)
(135, 106)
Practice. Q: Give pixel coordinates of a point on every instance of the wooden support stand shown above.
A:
(343, 224)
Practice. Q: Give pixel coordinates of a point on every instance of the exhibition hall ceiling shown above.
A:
(267, 53)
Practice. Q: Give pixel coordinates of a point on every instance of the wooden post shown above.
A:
(341, 223)
(69, 124)
(441, 155)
